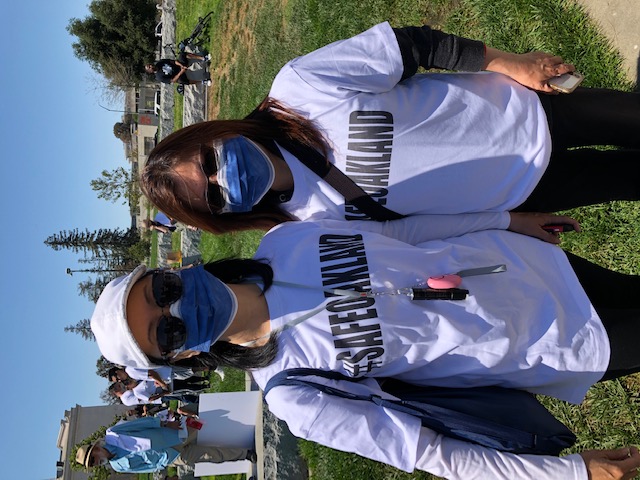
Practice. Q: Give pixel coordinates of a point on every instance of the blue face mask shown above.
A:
(245, 174)
(206, 307)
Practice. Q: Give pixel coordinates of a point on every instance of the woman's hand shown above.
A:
(531, 224)
(619, 464)
(532, 69)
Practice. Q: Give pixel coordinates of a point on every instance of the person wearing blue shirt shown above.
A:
(146, 445)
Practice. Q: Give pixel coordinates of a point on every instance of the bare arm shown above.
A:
(158, 381)
(175, 79)
(532, 69)
(428, 48)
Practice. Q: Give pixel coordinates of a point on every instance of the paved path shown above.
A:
(620, 22)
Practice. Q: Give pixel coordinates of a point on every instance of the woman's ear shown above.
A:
(185, 354)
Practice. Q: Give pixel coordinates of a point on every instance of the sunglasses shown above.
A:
(171, 333)
(209, 167)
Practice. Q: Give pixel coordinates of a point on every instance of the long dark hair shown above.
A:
(225, 354)
(270, 122)
(228, 354)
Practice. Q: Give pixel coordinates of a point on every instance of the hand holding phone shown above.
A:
(566, 83)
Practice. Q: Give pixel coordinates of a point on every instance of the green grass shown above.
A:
(250, 41)
(153, 255)
(239, 244)
(187, 15)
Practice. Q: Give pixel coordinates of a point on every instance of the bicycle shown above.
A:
(192, 42)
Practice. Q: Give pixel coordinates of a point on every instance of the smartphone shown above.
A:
(566, 83)
(559, 228)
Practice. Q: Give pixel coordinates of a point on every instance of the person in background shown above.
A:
(147, 445)
(152, 388)
(163, 377)
(177, 71)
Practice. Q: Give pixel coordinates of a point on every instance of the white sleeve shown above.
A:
(368, 62)
(397, 439)
(416, 229)
(455, 459)
(129, 399)
(353, 426)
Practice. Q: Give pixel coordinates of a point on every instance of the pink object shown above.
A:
(444, 281)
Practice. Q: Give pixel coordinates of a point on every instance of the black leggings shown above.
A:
(615, 297)
(585, 176)
(190, 383)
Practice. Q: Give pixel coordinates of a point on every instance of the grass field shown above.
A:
(252, 39)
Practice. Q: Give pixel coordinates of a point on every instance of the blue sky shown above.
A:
(54, 140)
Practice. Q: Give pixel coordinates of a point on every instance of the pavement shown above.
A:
(620, 22)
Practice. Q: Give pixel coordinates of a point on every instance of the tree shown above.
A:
(82, 328)
(116, 184)
(122, 131)
(99, 242)
(93, 288)
(117, 36)
(140, 251)
(108, 253)
(103, 366)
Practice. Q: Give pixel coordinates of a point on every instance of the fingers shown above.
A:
(621, 463)
(630, 462)
(529, 223)
(553, 64)
(562, 219)
(549, 66)
(566, 68)
(549, 237)
(621, 453)
(554, 237)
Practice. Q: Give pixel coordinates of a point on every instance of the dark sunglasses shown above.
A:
(171, 333)
(209, 167)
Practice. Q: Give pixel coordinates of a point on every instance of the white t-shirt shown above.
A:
(129, 398)
(143, 373)
(531, 327)
(145, 390)
(433, 144)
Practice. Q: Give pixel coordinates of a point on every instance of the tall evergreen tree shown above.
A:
(98, 242)
(82, 328)
(92, 288)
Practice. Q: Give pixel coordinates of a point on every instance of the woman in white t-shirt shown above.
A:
(439, 144)
(551, 323)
